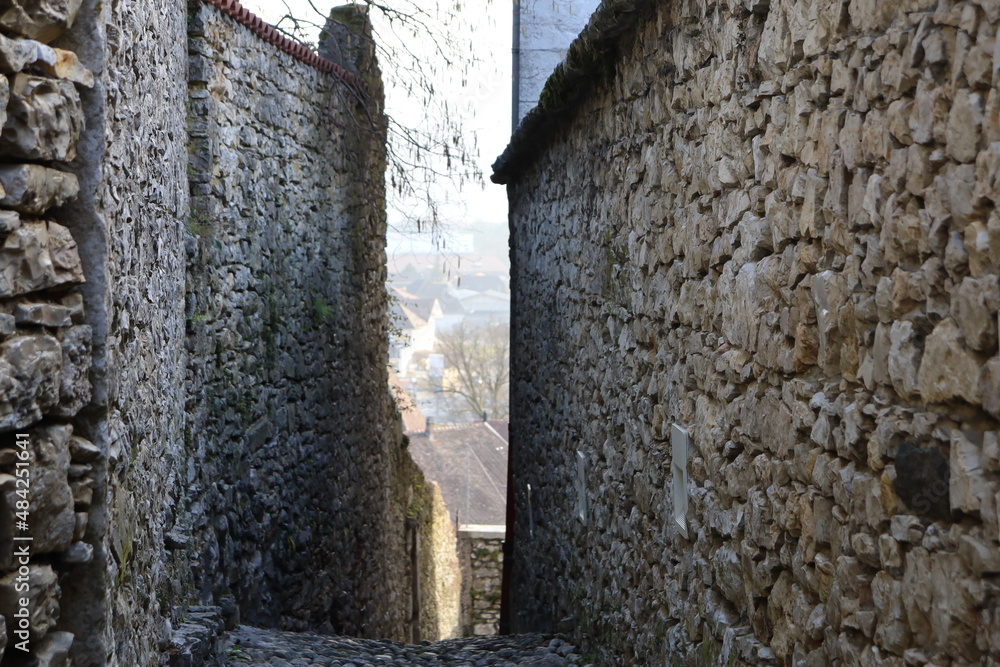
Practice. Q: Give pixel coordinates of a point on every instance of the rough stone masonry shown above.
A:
(773, 226)
(193, 335)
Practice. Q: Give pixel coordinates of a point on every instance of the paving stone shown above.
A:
(254, 646)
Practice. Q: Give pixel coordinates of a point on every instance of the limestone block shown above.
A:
(947, 370)
(30, 370)
(904, 358)
(974, 307)
(980, 246)
(44, 119)
(775, 52)
(67, 65)
(989, 386)
(42, 315)
(918, 169)
(968, 483)
(43, 20)
(902, 236)
(928, 106)
(780, 221)
(890, 555)
(829, 295)
(80, 525)
(83, 492)
(79, 552)
(74, 302)
(898, 121)
(4, 99)
(988, 172)
(52, 516)
(74, 385)
(43, 600)
(32, 188)
(16, 54)
(37, 256)
(823, 23)
(9, 221)
(965, 122)
(53, 649)
(83, 451)
(65, 256)
(891, 630)
(875, 140)
(980, 556)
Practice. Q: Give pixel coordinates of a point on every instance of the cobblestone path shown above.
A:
(253, 646)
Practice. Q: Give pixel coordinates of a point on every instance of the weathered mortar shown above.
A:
(773, 225)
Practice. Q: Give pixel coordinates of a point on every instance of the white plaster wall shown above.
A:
(547, 29)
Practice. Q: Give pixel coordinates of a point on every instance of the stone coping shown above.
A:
(590, 60)
(480, 531)
(268, 33)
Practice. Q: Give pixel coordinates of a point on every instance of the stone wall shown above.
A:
(480, 553)
(141, 201)
(193, 333)
(54, 304)
(772, 225)
(294, 486)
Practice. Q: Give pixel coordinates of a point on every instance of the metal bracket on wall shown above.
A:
(531, 515)
(680, 441)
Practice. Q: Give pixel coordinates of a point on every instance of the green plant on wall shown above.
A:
(237, 654)
(199, 224)
(419, 501)
(125, 555)
(321, 311)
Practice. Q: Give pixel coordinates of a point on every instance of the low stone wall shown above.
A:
(773, 226)
(480, 553)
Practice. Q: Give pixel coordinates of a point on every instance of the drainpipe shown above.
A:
(515, 93)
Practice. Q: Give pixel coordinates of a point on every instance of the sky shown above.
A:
(481, 32)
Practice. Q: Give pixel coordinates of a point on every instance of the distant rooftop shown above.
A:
(470, 464)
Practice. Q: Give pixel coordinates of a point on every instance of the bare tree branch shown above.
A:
(477, 361)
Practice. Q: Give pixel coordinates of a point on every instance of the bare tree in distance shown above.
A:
(434, 150)
(477, 367)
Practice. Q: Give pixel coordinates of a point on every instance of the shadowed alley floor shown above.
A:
(254, 646)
